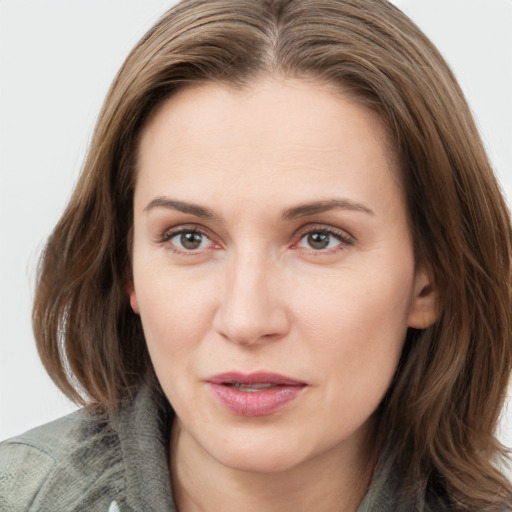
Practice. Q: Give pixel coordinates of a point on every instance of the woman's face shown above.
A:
(273, 269)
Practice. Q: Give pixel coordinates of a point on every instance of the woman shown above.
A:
(283, 280)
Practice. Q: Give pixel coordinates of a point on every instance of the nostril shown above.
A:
(250, 309)
(248, 331)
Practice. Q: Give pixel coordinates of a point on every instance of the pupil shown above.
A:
(318, 240)
(191, 240)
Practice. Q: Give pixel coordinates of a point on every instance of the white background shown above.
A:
(57, 59)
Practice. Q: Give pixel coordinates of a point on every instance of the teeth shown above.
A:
(251, 388)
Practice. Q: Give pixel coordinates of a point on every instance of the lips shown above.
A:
(255, 394)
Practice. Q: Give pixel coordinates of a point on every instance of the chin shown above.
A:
(259, 453)
(260, 460)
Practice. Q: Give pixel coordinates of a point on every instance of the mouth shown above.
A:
(250, 388)
(256, 394)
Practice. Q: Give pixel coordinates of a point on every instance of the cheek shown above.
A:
(176, 312)
(358, 321)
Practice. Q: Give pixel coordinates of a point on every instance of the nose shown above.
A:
(251, 309)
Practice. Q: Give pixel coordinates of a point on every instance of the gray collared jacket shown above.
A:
(85, 463)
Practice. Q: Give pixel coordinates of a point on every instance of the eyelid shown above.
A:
(166, 236)
(345, 238)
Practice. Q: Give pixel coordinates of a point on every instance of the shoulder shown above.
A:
(76, 458)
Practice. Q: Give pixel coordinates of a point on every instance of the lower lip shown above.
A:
(255, 403)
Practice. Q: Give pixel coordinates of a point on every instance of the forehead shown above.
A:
(282, 130)
(257, 103)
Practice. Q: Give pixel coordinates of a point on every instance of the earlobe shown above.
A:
(133, 301)
(423, 312)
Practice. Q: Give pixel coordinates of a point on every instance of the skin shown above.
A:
(258, 293)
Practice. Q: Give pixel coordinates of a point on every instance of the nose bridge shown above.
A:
(250, 307)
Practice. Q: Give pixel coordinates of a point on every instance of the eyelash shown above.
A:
(181, 230)
(343, 238)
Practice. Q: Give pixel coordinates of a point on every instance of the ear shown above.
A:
(423, 311)
(133, 299)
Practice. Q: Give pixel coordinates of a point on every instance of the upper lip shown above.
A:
(254, 378)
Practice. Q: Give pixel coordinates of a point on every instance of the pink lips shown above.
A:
(256, 394)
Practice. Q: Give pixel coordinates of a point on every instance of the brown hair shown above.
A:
(441, 411)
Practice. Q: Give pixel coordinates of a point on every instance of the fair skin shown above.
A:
(232, 273)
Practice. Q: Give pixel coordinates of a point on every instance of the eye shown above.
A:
(323, 240)
(188, 240)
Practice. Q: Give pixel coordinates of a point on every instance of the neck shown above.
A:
(335, 481)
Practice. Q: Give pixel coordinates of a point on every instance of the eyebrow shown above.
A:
(301, 210)
(313, 208)
(193, 209)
